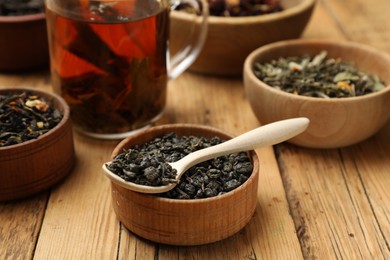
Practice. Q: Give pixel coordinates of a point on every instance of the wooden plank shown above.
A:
(369, 165)
(134, 247)
(333, 215)
(363, 21)
(20, 224)
(38, 79)
(273, 234)
(322, 25)
(79, 222)
(337, 197)
(367, 23)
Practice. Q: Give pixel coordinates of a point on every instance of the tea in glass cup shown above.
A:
(109, 61)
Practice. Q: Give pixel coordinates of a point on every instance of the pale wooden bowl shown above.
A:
(230, 39)
(184, 222)
(333, 122)
(35, 165)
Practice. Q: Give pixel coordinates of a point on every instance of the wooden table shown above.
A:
(312, 204)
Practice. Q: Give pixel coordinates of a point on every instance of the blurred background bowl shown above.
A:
(230, 39)
(35, 165)
(23, 43)
(179, 221)
(334, 122)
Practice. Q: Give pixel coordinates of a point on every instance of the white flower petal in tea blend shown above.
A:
(317, 76)
(148, 165)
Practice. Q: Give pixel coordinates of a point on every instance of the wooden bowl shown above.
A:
(35, 165)
(334, 122)
(230, 39)
(23, 43)
(184, 222)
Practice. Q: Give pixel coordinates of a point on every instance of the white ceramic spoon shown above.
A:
(262, 136)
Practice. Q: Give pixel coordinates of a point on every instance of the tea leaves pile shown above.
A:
(25, 117)
(20, 7)
(317, 76)
(148, 165)
(239, 8)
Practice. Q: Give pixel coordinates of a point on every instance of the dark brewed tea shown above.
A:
(109, 63)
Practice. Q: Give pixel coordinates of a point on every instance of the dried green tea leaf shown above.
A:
(147, 164)
(317, 76)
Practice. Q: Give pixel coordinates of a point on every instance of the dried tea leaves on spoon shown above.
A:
(24, 117)
(317, 76)
(148, 165)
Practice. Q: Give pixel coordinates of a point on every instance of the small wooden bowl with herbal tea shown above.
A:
(23, 40)
(236, 28)
(342, 87)
(213, 200)
(36, 142)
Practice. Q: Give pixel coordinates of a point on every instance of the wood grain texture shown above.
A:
(79, 222)
(331, 198)
(361, 21)
(20, 225)
(339, 201)
(312, 204)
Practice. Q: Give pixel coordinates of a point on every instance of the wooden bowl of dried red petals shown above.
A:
(235, 28)
(36, 142)
(214, 199)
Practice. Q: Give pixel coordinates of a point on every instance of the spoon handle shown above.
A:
(266, 135)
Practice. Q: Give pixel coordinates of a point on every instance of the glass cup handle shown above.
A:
(189, 51)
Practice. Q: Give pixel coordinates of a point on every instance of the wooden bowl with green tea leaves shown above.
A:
(36, 142)
(232, 36)
(209, 204)
(342, 87)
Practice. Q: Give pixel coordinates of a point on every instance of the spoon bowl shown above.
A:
(262, 136)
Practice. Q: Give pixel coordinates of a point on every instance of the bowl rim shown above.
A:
(63, 106)
(22, 18)
(248, 71)
(242, 20)
(252, 154)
